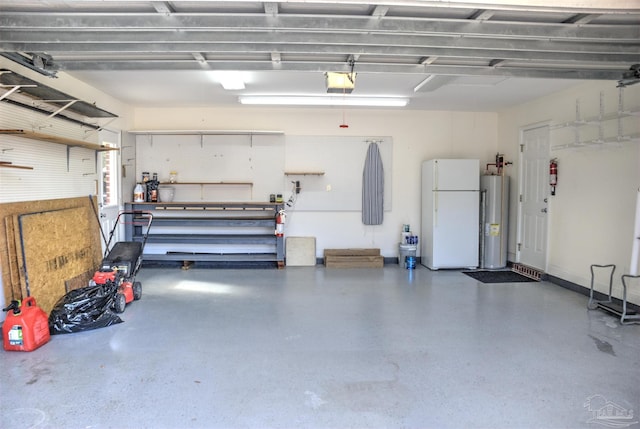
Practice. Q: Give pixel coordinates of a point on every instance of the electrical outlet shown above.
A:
(328, 188)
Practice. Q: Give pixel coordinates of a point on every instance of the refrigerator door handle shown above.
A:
(435, 209)
(435, 175)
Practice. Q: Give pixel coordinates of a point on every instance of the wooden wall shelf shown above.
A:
(56, 139)
(6, 164)
(206, 183)
(304, 173)
(209, 132)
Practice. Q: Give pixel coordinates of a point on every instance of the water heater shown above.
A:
(496, 221)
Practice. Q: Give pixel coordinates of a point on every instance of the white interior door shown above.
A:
(534, 191)
(108, 185)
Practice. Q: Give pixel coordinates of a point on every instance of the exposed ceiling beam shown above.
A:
(363, 67)
(11, 21)
(64, 50)
(37, 41)
(600, 6)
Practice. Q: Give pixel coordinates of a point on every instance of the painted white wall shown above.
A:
(591, 217)
(417, 136)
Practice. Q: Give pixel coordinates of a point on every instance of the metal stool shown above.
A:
(626, 316)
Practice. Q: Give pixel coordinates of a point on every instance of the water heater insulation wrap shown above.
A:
(496, 225)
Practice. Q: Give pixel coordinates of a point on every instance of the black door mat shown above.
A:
(498, 277)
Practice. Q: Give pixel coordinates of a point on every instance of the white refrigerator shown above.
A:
(450, 213)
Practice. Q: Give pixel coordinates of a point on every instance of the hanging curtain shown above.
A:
(373, 187)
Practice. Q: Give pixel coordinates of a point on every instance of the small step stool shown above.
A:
(627, 316)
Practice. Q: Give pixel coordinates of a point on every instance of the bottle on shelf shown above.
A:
(138, 193)
(145, 186)
(152, 189)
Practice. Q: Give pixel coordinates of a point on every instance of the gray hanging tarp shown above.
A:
(373, 187)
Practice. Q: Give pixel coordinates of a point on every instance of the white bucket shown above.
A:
(407, 250)
(166, 194)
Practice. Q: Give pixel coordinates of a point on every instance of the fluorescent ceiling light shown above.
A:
(230, 80)
(296, 100)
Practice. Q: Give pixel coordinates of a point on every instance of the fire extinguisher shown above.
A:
(280, 218)
(553, 175)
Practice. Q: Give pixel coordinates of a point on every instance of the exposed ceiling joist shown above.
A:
(31, 41)
(362, 67)
(70, 51)
(13, 21)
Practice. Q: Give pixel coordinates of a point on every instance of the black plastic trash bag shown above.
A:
(84, 309)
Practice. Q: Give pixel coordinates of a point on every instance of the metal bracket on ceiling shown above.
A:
(56, 112)
(13, 89)
(63, 108)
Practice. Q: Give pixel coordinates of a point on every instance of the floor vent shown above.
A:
(532, 273)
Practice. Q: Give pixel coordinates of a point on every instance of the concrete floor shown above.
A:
(307, 347)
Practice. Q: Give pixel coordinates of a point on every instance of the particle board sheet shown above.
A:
(301, 251)
(11, 261)
(56, 247)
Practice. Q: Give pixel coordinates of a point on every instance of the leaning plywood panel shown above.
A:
(12, 265)
(56, 247)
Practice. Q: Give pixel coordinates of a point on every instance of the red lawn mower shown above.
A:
(122, 262)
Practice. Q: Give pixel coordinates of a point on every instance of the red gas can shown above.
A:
(26, 327)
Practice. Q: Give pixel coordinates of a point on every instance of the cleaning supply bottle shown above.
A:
(138, 193)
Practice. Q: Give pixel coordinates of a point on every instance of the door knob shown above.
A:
(544, 210)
